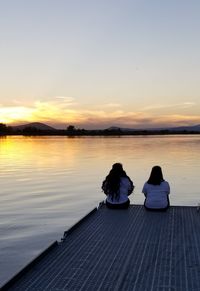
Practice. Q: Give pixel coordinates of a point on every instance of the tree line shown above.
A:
(71, 130)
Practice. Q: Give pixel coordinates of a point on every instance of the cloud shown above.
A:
(134, 120)
(188, 104)
(64, 98)
(164, 106)
(111, 105)
(69, 101)
(62, 114)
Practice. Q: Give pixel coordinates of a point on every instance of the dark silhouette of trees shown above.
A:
(4, 129)
(71, 128)
(31, 131)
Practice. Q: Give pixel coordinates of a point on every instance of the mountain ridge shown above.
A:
(45, 127)
(37, 125)
(195, 128)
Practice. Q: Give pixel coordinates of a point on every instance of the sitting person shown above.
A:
(156, 191)
(117, 186)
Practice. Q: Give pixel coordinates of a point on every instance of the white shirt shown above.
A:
(156, 195)
(124, 190)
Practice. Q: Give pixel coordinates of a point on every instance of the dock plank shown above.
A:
(123, 250)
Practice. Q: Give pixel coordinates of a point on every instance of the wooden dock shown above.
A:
(121, 250)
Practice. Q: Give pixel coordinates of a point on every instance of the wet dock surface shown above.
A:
(126, 250)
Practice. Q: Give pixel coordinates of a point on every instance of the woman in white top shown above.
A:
(117, 186)
(156, 191)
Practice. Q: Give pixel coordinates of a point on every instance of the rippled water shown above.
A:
(48, 183)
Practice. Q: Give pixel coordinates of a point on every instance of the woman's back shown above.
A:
(117, 186)
(156, 190)
(156, 195)
(125, 188)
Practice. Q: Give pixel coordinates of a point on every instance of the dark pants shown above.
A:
(158, 209)
(118, 206)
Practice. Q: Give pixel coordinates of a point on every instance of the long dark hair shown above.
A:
(156, 176)
(111, 184)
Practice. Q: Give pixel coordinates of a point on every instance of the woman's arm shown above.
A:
(130, 187)
(167, 188)
(144, 190)
(104, 187)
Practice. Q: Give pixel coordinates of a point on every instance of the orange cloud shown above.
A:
(62, 111)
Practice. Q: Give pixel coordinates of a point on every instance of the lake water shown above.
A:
(48, 183)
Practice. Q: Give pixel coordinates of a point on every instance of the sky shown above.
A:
(100, 63)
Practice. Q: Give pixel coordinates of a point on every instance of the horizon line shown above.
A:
(102, 128)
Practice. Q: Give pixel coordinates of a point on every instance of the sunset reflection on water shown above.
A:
(83, 162)
(48, 183)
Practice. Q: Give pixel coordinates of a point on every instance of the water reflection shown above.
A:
(48, 183)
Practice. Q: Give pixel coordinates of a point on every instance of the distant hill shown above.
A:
(113, 129)
(193, 128)
(37, 125)
(117, 128)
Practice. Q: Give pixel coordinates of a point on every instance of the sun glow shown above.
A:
(53, 112)
(14, 114)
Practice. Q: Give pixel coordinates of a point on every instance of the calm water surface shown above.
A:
(48, 183)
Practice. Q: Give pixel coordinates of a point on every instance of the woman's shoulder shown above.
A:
(165, 182)
(146, 184)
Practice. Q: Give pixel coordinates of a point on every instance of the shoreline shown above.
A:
(99, 133)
